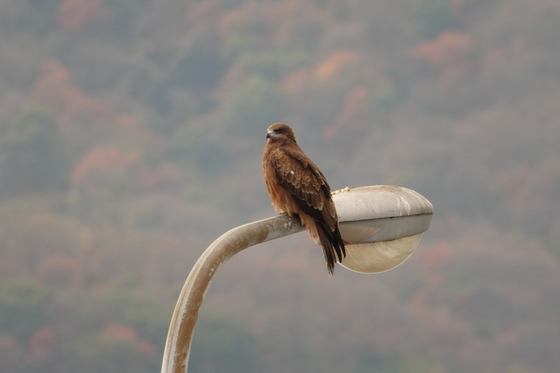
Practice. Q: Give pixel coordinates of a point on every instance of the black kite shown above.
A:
(297, 187)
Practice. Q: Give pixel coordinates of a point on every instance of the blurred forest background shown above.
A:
(131, 134)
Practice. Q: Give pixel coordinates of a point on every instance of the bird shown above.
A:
(297, 187)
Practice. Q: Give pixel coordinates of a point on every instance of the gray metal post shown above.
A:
(382, 225)
(177, 346)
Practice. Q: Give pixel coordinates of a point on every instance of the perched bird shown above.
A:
(297, 187)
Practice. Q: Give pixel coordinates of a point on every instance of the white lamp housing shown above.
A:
(382, 225)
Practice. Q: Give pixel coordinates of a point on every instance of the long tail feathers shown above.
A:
(333, 246)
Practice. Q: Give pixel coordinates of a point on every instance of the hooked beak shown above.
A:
(269, 135)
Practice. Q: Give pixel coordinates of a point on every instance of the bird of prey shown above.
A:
(297, 187)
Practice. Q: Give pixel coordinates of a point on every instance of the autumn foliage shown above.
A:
(131, 136)
(72, 14)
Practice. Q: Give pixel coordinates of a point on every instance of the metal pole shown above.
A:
(381, 224)
(179, 337)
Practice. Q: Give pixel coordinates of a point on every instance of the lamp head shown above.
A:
(382, 225)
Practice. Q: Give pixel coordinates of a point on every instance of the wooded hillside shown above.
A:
(131, 134)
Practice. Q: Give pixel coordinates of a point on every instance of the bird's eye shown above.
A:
(279, 130)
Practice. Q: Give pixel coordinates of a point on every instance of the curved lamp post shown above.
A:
(381, 224)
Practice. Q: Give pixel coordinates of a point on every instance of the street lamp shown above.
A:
(381, 225)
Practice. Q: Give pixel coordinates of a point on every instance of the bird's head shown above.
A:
(280, 132)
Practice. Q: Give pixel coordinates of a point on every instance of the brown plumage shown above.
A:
(297, 187)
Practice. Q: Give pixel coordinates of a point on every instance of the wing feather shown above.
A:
(305, 183)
